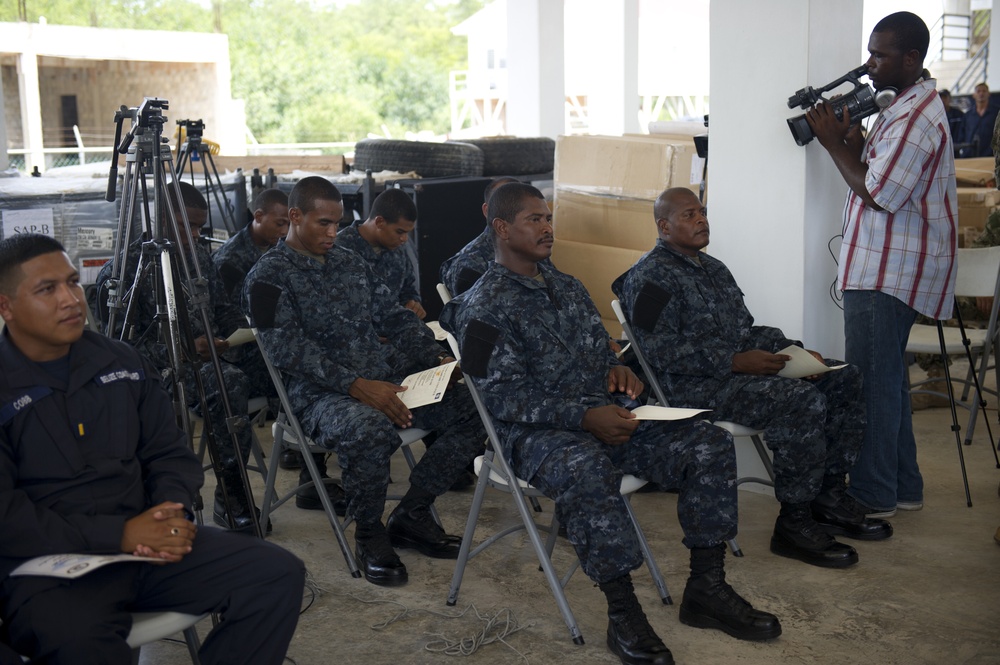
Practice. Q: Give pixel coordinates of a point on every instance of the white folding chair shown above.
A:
(257, 411)
(149, 627)
(735, 429)
(494, 471)
(978, 275)
(288, 432)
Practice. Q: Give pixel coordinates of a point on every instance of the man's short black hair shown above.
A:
(268, 198)
(19, 249)
(508, 200)
(309, 190)
(496, 182)
(394, 205)
(190, 195)
(909, 31)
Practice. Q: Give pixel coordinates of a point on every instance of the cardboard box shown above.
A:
(280, 163)
(976, 172)
(637, 167)
(974, 216)
(597, 267)
(978, 196)
(604, 220)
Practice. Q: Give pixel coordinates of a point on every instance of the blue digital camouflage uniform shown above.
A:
(392, 266)
(224, 318)
(233, 261)
(688, 315)
(539, 354)
(322, 329)
(461, 271)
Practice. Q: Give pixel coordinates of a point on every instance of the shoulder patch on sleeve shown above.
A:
(263, 303)
(648, 305)
(232, 277)
(465, 280)
(477, 348)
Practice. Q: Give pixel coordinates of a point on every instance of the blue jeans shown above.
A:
(876, 327)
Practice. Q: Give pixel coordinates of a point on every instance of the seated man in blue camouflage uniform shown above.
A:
(461, 271)
(533, 343)
(238, 254)
(688, 315)
(320, 312)
(380, 241)
(233, 261)
(225, 318)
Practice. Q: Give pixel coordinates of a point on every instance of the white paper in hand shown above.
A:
(240, 336)
(650, 412)
(427, 387)
(802, 364)
(71, 566)
(439, 334)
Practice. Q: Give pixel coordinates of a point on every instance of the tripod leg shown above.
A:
(954, 415)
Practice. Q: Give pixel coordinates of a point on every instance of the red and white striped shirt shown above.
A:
(907, 249)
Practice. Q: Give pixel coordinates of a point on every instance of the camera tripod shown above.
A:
(192, 150)
(170, 269)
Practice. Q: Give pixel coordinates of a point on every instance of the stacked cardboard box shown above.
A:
(975, 172)
(605, 187)
(974, 207)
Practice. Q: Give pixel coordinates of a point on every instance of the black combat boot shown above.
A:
(840, 515)
(308, 498)
(798, 536)
(244, 514)
(709, 602)
(630, 637)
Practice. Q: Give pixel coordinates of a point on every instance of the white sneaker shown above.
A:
(910, 505)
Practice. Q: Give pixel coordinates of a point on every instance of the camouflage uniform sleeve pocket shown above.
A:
(465, 280)
(480, 340)
(232, 278)
(648, 305)
(264, 303)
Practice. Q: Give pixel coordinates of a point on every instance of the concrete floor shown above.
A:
(931, 594)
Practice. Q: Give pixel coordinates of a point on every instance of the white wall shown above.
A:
(773, 205)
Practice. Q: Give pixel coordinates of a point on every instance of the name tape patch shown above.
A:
(120, 375)
(21, 402)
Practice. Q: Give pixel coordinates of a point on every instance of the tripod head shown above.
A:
(147, 125)
(193, 129)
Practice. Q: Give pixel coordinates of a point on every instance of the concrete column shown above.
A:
(774, 206)
(613, 95)
(31, 110)
(536, 96)
(4, 159)
(993, 57)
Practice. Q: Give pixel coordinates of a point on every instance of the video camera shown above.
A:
(860, 102)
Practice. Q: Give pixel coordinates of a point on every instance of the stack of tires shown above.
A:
(502, 155)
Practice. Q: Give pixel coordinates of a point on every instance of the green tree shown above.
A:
(309, 71)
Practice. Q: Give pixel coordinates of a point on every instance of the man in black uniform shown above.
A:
(92, 462)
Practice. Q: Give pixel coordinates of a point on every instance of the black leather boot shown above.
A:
(376, 558)
(630, 637)
(308, 498)
(840, 515)
(709, 602)
(411, 525)
(244, 514)
(798, 536)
